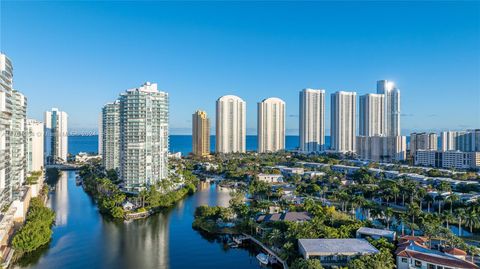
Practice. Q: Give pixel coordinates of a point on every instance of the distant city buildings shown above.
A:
(35, 144)
(381, 148)
(343, 121)
(230, 124)
(271, 125)
(312, 120)
(141, 117)
(56, 136)
(423, 141)
(200, 134)
(452, 159)
(467, 141)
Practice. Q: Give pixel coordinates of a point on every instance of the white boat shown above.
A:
(262, 258)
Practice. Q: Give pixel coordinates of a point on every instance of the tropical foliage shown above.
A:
(37, 230)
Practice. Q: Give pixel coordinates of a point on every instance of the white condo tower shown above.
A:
(312, 120)
(230, 124)
(271, 125)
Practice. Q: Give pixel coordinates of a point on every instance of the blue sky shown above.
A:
(79, 55)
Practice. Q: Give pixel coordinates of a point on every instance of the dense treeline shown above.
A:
(102, 186)
(37, 230)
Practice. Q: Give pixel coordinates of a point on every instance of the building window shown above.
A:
(404, 260)
(418, 264)
(430, 266)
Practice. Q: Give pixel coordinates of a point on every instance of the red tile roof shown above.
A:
(455, 251)
(450, 262)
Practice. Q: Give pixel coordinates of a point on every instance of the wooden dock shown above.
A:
(267, 249)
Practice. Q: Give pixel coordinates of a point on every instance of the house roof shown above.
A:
(326, 247)
(378, 232)
(445, 261)
(455, 251)
(288, 216)
(419, 239)
(413, 249)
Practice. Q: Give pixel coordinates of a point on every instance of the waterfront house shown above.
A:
(312, 174)
(127, 206)
(270, 178)
(290, 171)
(335, 252)
(345, 169)
(414, 253)
(373, 233)
(287, 216)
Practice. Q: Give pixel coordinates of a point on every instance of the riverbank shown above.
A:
(37, 230)
(166, 200)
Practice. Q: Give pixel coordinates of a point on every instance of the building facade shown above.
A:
(230, 124)
(13, 135)
(18, 140)
(452, 159)
(271, 125)
(35, 145)
(110, 130)
(423, 141)
(467, 141)
(381, 148)
(371, 115)
(200, 133)
(6, 92)
(144, 141)
(56, 136)
(391, 106)
(312, 120)
(343, 121)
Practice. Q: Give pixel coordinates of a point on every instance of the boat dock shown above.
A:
(271, 253)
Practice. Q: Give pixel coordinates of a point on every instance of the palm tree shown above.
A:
(452, 198)
(388, 216)
(421, 193)
(429, 199)
(448, 217)
(472, 219)
(413, 210)
(403, 220)
(275, 237)
(395, 191)
(460, 214)
(439, 198)
(387, 196)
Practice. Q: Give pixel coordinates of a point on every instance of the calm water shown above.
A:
(82, 238)
(178, 143)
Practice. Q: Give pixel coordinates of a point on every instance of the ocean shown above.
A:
(178, 143)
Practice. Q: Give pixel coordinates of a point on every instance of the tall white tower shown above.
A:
(230, 124)
(271, 125)
(143, 114)
(392, 106)
(343, 126)
(56, 136)
(312, 120)
(371, 119)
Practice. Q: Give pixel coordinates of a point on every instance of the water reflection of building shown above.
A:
(212, 194)
(60, 200)
(138, 244)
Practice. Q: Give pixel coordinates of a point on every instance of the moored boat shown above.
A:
(262, 258)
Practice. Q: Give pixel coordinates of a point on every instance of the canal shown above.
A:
(82, 238)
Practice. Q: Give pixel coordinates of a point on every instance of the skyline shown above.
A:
(276, 54)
